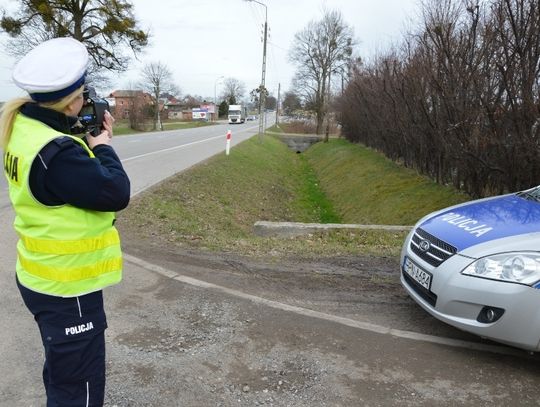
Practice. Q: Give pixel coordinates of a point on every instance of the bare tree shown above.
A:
(321, 49)
(459, 100)
(157, 79)
(291, 102)
(517, 39)
(136, 106)
(192, 100)
(233, 90)
(107, 28)
(270, 102)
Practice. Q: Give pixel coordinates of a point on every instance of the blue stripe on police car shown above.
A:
(481, 221)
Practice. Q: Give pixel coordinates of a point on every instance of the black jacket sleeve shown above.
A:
(63, 173)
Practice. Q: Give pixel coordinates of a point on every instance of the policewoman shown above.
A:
(65, 191)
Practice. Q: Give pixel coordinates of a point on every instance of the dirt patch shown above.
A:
(362, 287)
(172, 343)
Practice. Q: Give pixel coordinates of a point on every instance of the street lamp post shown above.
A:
(215, 98)
(262, 93)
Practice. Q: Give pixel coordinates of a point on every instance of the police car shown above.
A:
(476, 266)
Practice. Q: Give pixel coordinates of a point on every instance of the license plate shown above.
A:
(417, 274)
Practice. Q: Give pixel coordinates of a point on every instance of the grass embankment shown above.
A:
(215, 204)
(366, 187)
(121, 127)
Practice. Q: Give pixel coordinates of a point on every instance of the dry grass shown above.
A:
(214, 205)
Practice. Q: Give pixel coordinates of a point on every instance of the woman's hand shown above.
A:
(106, 135)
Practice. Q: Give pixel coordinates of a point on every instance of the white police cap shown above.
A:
(52, 70)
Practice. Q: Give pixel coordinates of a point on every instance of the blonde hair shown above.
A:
(11, 108)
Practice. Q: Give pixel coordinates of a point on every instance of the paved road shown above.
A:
(182, 335)
(151, 157)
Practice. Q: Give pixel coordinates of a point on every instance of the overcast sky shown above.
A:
(202, 40)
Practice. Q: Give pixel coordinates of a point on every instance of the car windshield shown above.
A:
(234, 111)
(531, 194)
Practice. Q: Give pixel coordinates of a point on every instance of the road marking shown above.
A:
(178, 147)
(171, 148)
(366, 326)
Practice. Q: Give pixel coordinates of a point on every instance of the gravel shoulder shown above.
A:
(175, 344)
(363, 287)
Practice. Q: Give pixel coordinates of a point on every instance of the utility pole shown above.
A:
(326, 135)
(262, 99)
(262, 88)
(277, 103)
(216, 110)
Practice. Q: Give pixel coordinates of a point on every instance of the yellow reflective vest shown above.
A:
(62, 250)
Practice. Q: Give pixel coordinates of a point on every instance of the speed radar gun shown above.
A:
(92, 113)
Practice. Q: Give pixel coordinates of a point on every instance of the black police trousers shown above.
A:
(73, 335)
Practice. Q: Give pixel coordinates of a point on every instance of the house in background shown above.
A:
(171, 108)
(127, 101)
(212, 109)
(205, 112)
(187, 115)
